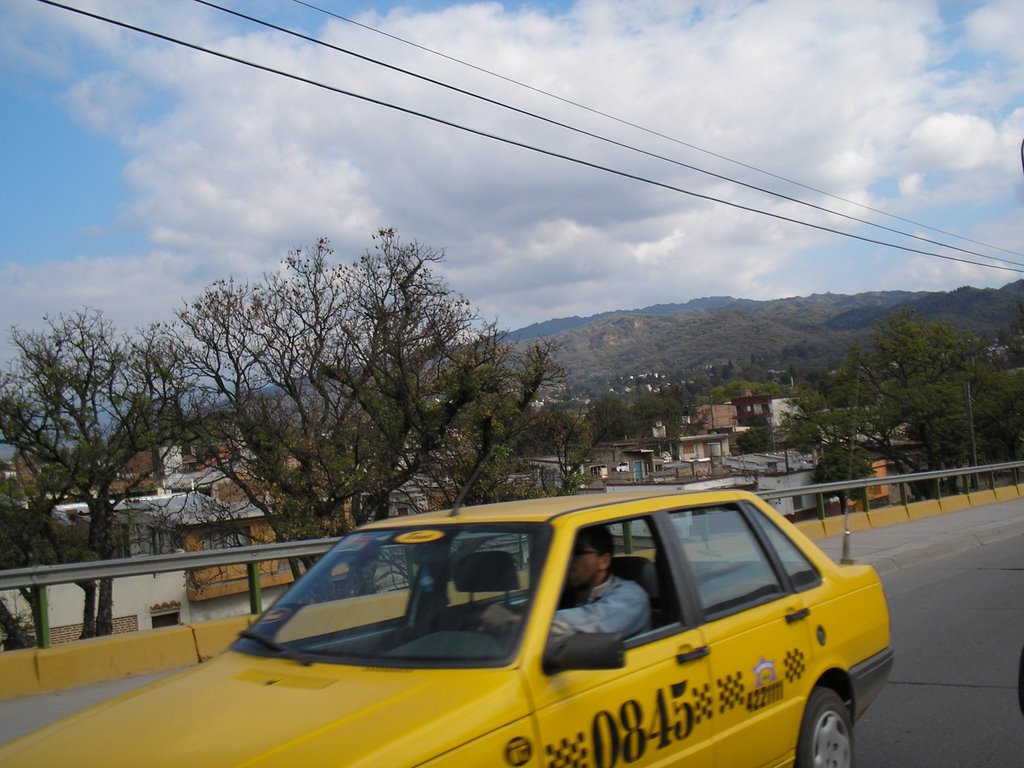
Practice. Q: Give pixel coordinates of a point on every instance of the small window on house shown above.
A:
(166, 619)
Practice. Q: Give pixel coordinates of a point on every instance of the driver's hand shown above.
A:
(498, 619)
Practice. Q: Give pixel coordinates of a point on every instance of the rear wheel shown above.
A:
(826, 732)
(1020, 682)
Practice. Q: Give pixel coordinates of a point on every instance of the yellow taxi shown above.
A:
(449, 639)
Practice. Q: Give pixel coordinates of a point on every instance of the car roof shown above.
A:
(548, 508)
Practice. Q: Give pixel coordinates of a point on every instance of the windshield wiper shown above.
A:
(277, 647)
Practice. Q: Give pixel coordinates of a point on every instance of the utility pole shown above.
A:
(970, 431)
(970, 422)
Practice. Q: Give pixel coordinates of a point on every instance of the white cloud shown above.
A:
(106, 103)
(950, 142)
(132, 292)
(230, 167)
(995, 28)
(910, 184)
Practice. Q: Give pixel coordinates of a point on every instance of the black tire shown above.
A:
(826, 732)
(1020, 682)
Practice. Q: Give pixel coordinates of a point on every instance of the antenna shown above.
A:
(486, 449)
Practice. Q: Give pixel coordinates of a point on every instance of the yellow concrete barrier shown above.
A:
(978, 498)
(955, 503)
(1007, 493)
(109, 658)
(837, 525)
(214, 637)
(40, 670)
(919, 510)
(18, 674)
(885, 516)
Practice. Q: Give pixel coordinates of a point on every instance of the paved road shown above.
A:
(951, 701)
(906, 557)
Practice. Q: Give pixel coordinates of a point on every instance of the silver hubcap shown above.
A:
(831, 742)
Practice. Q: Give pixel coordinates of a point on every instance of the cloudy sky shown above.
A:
(611, 155)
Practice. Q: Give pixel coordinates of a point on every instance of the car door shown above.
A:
(756, 629)
(655, 710)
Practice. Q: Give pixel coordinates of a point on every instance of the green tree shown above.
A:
(904, 397)
(611, 419)
(756, 439)
(666, 406)
(996, 412)
(831, 429)
(909, 389)
(565, 432)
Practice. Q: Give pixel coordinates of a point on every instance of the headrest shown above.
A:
(638, 569)
(492, 571)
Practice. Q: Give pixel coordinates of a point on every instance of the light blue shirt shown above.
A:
(617, 605)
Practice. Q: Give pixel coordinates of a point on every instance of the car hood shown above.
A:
(253, 711)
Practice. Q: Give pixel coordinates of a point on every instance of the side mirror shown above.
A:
(584, 650)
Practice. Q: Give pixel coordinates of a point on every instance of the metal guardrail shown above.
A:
(145, 565)
(42, 576)
(1015, 468)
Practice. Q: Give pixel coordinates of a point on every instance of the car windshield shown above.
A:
(407, 597)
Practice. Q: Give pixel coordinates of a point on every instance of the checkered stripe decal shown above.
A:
(730, 692)
(795, 665)
(568, 753)
(703, 703)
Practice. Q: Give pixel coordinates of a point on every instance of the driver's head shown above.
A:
(591, 557)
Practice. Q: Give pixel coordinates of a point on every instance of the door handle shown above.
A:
(696, 653)
(795, 616)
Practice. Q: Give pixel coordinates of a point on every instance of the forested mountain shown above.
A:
(723, 336)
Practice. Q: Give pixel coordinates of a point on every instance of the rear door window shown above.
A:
(731, 568)
(802, 572)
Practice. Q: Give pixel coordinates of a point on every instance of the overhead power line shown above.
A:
(675, 140)
(510, 141)
(589, 134)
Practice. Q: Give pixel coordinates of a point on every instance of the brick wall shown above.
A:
(69, 632)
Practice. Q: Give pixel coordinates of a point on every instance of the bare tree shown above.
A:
(330, 386)
(87, 410)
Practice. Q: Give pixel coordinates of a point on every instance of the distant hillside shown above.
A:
(803, 334)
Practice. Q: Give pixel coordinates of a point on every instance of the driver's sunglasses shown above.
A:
(581, 552)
